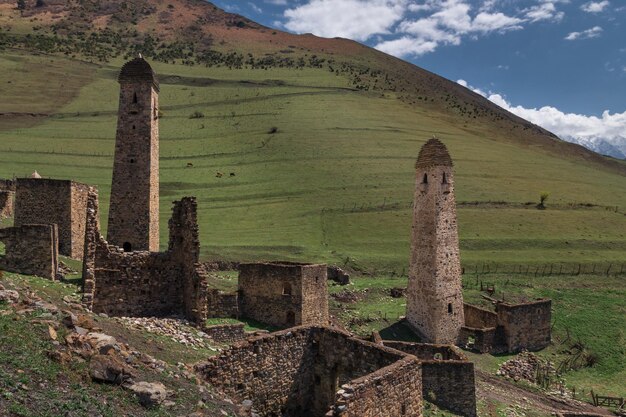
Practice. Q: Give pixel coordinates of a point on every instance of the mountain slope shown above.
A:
(335, 181)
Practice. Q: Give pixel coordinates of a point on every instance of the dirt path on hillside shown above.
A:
(494, 388)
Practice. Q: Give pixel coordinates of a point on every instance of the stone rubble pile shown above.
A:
(523, 367)
(177, 329)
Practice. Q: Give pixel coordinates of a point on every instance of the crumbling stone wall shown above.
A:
(448, 379)
(338, 275)
(6, 204)
(222, 305)
(479, 317)
(122, 283)
(226, 333)
(511, 328)
(60, 202)
(31, 249)
(391, 391)
(434, 293)
(526, 326)
(482, 340)
(299, 372)
(284, 294)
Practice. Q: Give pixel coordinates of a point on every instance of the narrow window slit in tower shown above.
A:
(425, 180)
(449, 308)
(445, 179)
(135, 98)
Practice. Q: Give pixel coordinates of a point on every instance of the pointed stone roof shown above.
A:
(35, 175)
(433, 153)
(138, 69)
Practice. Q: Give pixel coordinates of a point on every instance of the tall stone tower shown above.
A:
(434, 295)
(134, 210)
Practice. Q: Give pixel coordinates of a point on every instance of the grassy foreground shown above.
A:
(334, 183)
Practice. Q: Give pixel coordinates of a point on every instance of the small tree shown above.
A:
(542, 200)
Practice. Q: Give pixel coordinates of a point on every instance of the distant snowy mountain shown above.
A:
(614, 147)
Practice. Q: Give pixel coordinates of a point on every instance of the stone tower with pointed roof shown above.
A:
(434, 295)
(134, 209)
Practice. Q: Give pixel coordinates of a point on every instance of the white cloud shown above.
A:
(544, 11)
(354, 19)
(594, 32)
(578, 128)
(448, 22)
(595, 6)
(413, 27)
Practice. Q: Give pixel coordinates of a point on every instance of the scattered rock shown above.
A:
(179, 330)
(9, 296)
(150, 394)
(104, 368)
(52, 333)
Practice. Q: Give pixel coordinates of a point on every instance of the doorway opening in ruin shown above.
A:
(291, 319)
(127, 247)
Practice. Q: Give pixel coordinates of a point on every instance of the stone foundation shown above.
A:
(299, 373)
(31, 249)
(60, 202)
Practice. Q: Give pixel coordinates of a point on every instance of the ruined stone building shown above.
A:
(316, 372)
(281, 294)
(142, 283)
(134, 209)
(60, 202)
(510, 328)
(284, 294)
(434, 294)
(31, 249)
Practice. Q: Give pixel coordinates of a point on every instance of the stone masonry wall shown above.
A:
(134, 208)
(31, 249)
(284, 294)
(526, 326)
(392, 391)
(226, 333)
(478, 317)
(6, 204)
(434, 293)
(60, 202)
(481, 340)
(122, 283)
(222, 305)
(447, 376)
(298, 373)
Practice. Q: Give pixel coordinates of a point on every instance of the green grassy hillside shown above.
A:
(333, 183)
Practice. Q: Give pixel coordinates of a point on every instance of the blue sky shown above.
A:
(559, 63)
